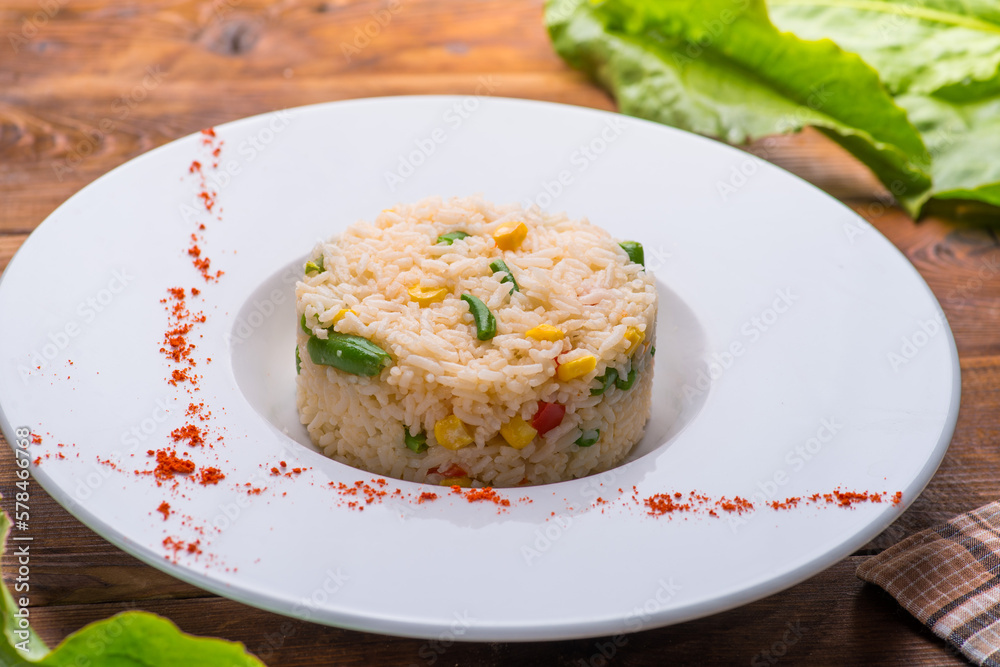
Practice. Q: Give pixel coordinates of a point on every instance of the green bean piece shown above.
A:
(417, 443)
(451, 237)
(348, 353)
(486, 324)
(589, 438)
(298, 361)
(634, 251)
(626, 383)
(652, 351)
(498, 266)
(315, 265)
(302, 323)
(609, 378)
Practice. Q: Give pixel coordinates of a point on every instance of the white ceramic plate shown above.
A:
(846, 373)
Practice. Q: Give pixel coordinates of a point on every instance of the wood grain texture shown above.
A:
(99, 82)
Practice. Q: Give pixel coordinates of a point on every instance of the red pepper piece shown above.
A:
(549, 416)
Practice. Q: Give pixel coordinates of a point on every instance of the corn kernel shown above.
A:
(464, 482)
(576, 368)
(451, 434)
(510, 235)
(425, 296)
(634, 338)
(518, 433)
(340, 315)
(545, 332)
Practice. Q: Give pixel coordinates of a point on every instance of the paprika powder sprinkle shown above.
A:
(208, 476)
(190, 433)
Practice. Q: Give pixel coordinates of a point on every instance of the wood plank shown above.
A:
(51, 154)
(255, 38)
(807, 624)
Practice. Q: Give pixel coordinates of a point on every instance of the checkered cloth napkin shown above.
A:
(949, 578)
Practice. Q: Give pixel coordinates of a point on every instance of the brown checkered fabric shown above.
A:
(949, 578)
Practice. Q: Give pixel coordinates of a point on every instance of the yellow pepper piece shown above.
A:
(451, 434)
(510, 235)
(341, 313)
(464, 482)
(425, 296)
(634, 337)
(518, 433)
(545, 332)
(576, 368)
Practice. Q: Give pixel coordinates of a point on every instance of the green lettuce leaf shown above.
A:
(721, 68)
(129, 639)
(941, 58)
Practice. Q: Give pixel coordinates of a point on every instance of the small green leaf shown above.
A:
(417, 443)
(606, 380)
(315, 266)
(634, 251)
(626, 383)
(588, 438)
(451, 237)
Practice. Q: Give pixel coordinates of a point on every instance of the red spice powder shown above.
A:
(660, 504)
(207, 476)
(190, 433)
(164, 509)
(180, 376)
(36, 439)
(176, 546)
(168, 464)
(426, 496)
(486, 494)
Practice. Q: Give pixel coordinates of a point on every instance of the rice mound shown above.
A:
(571, 275)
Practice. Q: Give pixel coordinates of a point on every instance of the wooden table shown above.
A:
(73, 106)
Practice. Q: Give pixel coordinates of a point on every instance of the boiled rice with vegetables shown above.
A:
(461, 342)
